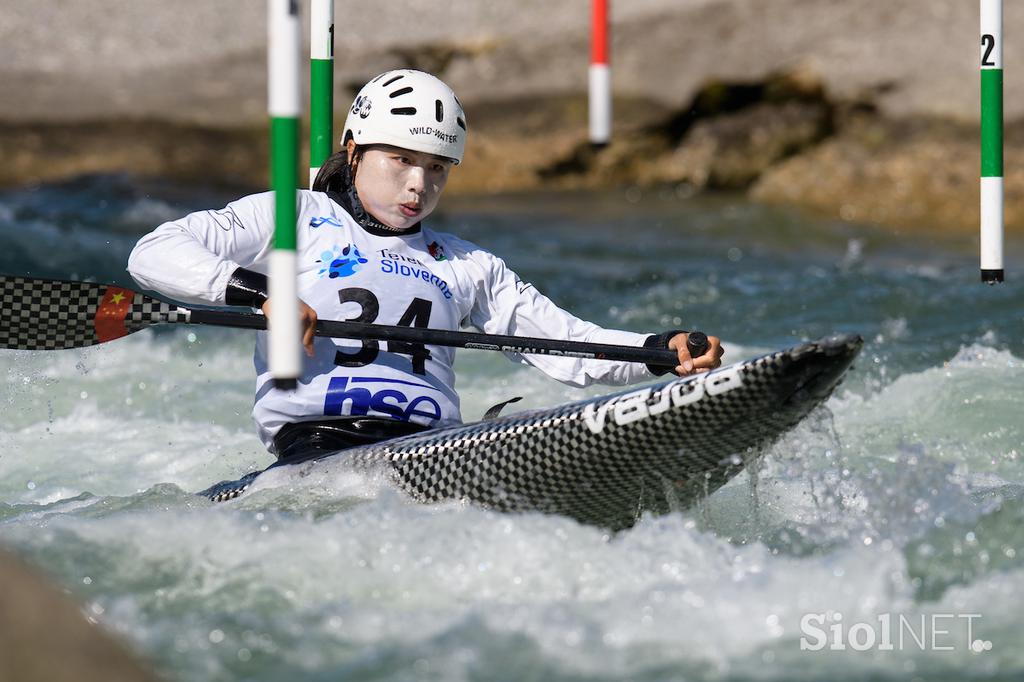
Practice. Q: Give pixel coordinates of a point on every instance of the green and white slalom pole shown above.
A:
(321, 84)
(284, 58)
(991, 141)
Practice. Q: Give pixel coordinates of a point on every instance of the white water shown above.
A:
(353, 577)
(903, 498)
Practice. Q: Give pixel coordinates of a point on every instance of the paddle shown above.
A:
(44, 314)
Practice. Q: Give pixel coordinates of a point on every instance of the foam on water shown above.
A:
(333, 575)
(117, 418)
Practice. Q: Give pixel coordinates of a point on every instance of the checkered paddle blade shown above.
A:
(40, 314)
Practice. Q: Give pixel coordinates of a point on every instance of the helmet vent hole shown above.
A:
(399, 93)
(438, 110)
(398, 77)
(404, 111)
(462, 124)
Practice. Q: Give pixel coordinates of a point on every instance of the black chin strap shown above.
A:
(348, 198)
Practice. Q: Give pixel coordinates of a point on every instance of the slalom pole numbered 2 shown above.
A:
(284, 107)
(321, 84)
(600, 86)
(991, 141)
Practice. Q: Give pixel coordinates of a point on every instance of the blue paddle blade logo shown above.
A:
(340, 262)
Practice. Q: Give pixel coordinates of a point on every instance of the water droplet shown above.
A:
(191, 337)
(216, 636)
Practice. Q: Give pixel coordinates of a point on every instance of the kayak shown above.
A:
(603, 461)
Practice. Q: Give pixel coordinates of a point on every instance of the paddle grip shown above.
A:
(697, 344)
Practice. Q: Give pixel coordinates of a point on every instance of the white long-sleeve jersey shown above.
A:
(423, 279)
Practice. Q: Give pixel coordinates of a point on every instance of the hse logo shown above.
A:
(439, 134)
(344, 397)
(637, 405)
(340, 262)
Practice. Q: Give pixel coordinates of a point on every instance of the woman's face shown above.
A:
(400, 187)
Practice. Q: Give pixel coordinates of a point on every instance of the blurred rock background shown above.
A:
(862, 109)
(45, 637)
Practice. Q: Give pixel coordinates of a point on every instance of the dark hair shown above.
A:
(335, 175)
(336, 178)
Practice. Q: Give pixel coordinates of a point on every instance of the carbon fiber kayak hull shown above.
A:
(606, 460)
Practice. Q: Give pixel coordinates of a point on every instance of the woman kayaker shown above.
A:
(365, 255)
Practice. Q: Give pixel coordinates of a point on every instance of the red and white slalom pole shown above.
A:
(600, 76)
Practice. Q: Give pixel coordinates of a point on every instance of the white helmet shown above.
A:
(408, 109)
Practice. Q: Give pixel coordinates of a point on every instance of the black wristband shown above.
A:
(660, 342)
(247, 288)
